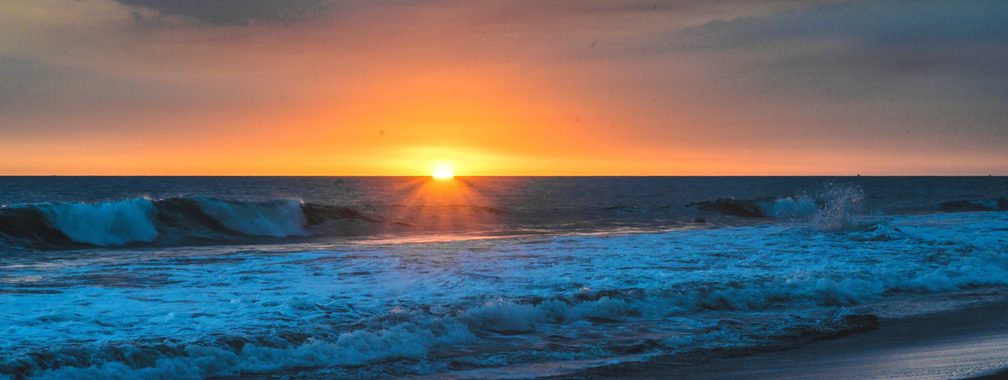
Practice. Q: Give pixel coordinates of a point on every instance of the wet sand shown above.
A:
(947, 345)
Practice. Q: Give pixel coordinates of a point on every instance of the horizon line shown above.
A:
(493, 176)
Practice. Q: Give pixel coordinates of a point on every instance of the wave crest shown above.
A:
(276, 218)
(105, 223)
(999, 204)
(169, 221)
(836, 207)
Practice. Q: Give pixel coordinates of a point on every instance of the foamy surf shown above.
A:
(519, 306)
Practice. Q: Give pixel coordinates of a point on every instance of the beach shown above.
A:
(955, 344)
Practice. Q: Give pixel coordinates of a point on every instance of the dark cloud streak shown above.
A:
(887, 36)
(231, 12)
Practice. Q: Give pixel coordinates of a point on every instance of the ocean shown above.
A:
(474, 277)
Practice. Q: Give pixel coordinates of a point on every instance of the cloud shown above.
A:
(876, 40)
(230, 12)
(926, 23)
(241, 12)
(937, 64)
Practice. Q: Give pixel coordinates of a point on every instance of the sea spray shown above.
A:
(835, 208)
(839, 207)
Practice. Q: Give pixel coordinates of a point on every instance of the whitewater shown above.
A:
(184, 282)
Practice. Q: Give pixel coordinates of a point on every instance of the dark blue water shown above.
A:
(151, 277)
(53, 212)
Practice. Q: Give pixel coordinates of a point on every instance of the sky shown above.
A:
(503, 87)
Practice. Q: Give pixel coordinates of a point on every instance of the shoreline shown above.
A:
(965, 343)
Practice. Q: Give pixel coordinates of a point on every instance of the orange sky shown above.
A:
(495, 88)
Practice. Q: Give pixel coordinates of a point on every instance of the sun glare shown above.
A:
(442, 172)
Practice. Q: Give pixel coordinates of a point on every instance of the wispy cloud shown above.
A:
(229, 12)
(863, 45)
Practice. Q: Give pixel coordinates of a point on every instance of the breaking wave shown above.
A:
(999, 204)
(171, 221)
(205, 220)
(834, 208)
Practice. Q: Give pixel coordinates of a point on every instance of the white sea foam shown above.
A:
(841, 205)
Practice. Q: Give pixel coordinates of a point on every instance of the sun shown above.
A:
(442, 172)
